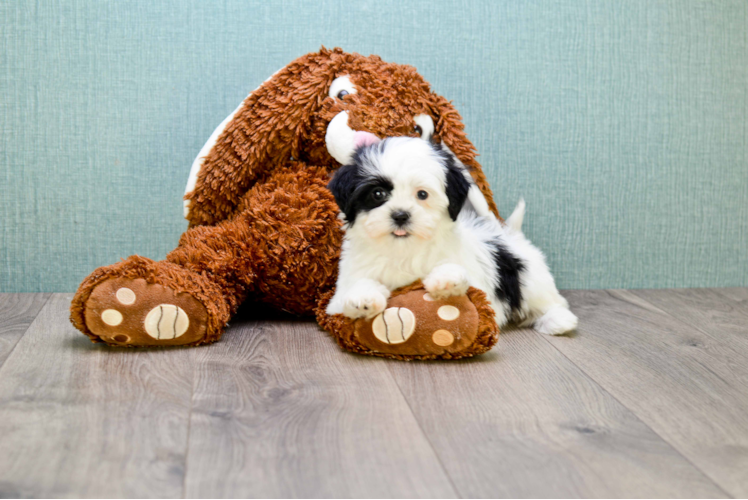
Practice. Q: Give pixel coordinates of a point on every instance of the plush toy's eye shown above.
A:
(422, 195)
(378, 194)
(341, 87)
(424, 126)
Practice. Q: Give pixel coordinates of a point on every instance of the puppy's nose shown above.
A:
(400, 217)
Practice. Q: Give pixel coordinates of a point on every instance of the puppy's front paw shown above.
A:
(364, 304)
(447, 280)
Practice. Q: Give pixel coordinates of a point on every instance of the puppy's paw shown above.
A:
(362, 303)
(447, 280)
(556, 321)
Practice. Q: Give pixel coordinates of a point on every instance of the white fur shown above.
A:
(365, 298)
(514, 222)
(447, 255)
(447, 280)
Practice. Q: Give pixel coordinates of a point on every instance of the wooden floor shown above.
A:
(648, 399)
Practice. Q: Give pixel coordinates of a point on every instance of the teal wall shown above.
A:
(622, 123)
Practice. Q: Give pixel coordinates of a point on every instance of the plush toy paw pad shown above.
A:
(124, 311)
(417, 324)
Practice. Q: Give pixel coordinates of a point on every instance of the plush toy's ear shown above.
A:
(449, 130)
(267, 127)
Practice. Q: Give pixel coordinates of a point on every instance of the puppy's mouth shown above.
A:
(400, 233)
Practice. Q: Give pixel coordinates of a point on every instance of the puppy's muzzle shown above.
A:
(400, 217)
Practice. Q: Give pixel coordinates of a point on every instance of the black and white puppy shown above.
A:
(412, 212)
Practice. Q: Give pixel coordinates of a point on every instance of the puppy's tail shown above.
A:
(514, 222)
(478, 200)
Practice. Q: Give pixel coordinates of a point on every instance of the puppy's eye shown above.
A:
(418, 130)
(378, 194)
(422, 195)
(342, 94)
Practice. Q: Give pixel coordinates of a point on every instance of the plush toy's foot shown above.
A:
(417, 326)
(139, 302)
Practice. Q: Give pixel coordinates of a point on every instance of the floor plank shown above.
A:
(687, 385)
(85, 420)
(281, 411)
(523, 421)
(722, 314)
(17, 311)
(739, 295)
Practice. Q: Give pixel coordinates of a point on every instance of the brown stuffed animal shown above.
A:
(264, 227)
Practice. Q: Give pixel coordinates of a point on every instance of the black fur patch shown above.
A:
(508, 267)
(457, 185)
(353, 189)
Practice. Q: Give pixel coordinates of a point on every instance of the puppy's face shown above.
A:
(400, 188)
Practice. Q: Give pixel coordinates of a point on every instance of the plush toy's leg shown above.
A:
(282, 247)
(185, 300)
(140, 302)
(417, 326)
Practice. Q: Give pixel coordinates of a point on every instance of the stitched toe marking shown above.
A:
(394, 326)
(443, 338)
(125, 296)
(111, 317)
(448, 313)
(166, 321)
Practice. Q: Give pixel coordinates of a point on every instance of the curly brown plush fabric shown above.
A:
(263, 225)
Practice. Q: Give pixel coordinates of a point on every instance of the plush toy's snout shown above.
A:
(349, 130)
(365, 139)
(341, 140)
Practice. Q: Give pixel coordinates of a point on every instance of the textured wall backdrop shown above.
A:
(622, 123)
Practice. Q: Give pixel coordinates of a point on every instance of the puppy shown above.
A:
(412, 212)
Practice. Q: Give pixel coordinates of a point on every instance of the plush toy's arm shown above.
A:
(264, 129)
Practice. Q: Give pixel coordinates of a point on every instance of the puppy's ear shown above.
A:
(457, 189)
(342, 186)
(449, 130)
